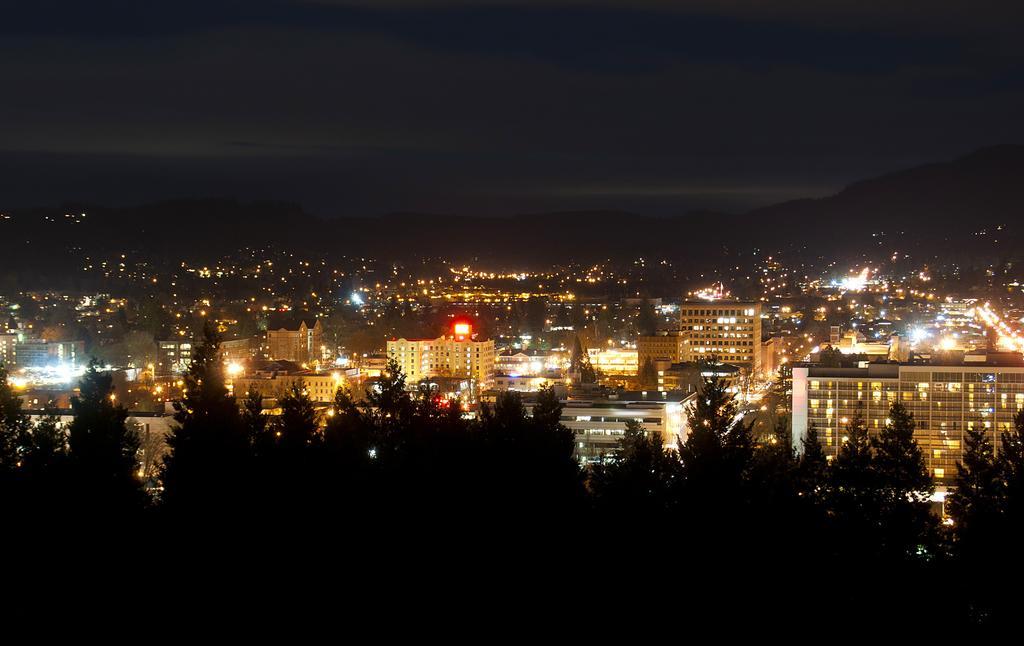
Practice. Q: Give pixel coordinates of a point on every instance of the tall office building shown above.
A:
(729, 330)
(980, 392)
(458, 354)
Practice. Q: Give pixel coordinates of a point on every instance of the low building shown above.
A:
(526, 383)
(239, 350)
(273, 379)
(38, 353)
(613, 362)
(600, 423)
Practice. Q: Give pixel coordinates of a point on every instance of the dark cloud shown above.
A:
(360, 107)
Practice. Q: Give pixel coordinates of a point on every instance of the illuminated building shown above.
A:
(667, 346)
(174, 356)
(274, 379)
(525, 383)
(238, 350)
(526, 364)
(8, 343)
(37, 353)
(458, 354)
(729, 330)
(613, 361)
(299, 341)
(980, 392)
(600, 424)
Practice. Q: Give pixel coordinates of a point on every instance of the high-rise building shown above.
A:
(980, 392)
(299, 341)
(459, 354)
(729, 330)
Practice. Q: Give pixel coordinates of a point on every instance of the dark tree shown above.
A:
(1011, 467)
(640, 481)
(977, 501)
(647, 319)
(297, 428)
(103, 452)
(14, 427)
(579, 363)
(208, 461)
(904, 486)
(648, 375)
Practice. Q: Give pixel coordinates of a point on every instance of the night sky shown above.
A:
(365, 107)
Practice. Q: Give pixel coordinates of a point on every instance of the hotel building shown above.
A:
(981, 392)
(458, 354)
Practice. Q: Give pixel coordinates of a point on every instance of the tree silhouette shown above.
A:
(640, 480)
(14, 428)
(208, 458)
(648, 375)
(904, 485)
(103, 452)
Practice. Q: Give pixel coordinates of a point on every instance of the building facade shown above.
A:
(729, 330)
(173, 356)
(668, 345)
(600, 424)
(8, 345)
(458, 354)
(37, 353)
(946, 401)
(300, 342)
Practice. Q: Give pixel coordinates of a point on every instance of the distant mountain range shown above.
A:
(950, 209)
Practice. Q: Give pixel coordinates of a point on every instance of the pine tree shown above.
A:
(14, 428)
(297, 428)
(648, 375)
(639, 480)
(103, 451)
(719, 449)
(977, 500)
(253, 420)
(47, 446)
(812, 467)
(1011, 469)
(852, 496)
(579, 363)
(905, 487)
(208, 462)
